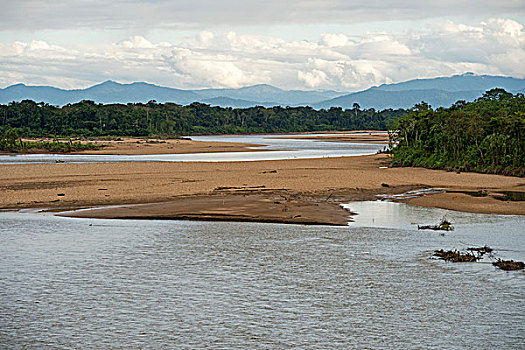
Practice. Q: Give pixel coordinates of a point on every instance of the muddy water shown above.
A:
(91, 284)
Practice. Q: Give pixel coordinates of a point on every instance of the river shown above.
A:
(92, 284)
(279, 147)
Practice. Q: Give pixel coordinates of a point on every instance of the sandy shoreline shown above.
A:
(376, 137)
(270, 208)
(250, 189)
(142, 146)
(139, 146)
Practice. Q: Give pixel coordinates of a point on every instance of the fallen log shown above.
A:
(455, 256)
(444, 225)
(481, 250)
(509, 265)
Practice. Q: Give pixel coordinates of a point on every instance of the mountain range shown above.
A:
(438, 92)
(442, 91)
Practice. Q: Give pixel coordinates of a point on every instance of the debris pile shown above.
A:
(444, 225)
(474, 254)
(481, 251)
(456, 256)
(509, 265)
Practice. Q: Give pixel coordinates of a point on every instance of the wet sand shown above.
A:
(273, 207)
(249, 188)
(468, 203)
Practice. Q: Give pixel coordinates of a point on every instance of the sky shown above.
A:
(307, 45)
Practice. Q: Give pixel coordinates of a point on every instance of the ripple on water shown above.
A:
(149, 284)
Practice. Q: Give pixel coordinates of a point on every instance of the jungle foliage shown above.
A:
(487, 135)
(11, 142)
(87, 119)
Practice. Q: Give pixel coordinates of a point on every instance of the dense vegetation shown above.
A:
(88, 119)
(11, 142)
(487, 135)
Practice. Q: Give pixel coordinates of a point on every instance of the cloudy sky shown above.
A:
(308, 44)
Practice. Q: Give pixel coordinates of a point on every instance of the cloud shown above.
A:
(199, 14)
(207, 70)
(313, 79)
(334, 61)
(205, 37)
(333, 40)
(494, 43)
(137, 42)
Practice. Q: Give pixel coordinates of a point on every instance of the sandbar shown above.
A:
(142, 146)
(251, 189)
(375, 137)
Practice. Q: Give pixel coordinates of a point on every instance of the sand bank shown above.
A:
(139, 146)
(299, 182)
(376, 137)
(271, 207)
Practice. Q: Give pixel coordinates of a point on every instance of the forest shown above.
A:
(88, 119)
(487, 135)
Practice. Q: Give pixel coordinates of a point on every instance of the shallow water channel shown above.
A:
(91, 284)
(282, 148)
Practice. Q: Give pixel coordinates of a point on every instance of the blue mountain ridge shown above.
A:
(441, 91)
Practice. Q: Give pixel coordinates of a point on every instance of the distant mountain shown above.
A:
(380, 99)
(113, 92)
(107, 92)
(437, 92)
(48, 94)
(236, 103)
(262, 93)
(458, 83)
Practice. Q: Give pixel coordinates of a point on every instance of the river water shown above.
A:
(284, 148)
(95, 284)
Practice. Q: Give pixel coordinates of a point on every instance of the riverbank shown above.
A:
(379, 137)
(141, 146)
(149, 146)
(273, 207)
(298, 183)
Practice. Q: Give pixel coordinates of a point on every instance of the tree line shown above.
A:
(89, 119)
(487, 135)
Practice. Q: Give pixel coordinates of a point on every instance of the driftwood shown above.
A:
(481, 250)
(456, 256)
(509, 265)
(444, 225)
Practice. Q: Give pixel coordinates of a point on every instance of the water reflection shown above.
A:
(388, 214)
(501, 232)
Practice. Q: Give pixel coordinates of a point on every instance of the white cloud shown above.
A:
(313, 79)
(334, 61)
(207, 70)
(199, 14)
(137, 42)
(495, 43)
(205, 37)
(333, 40)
